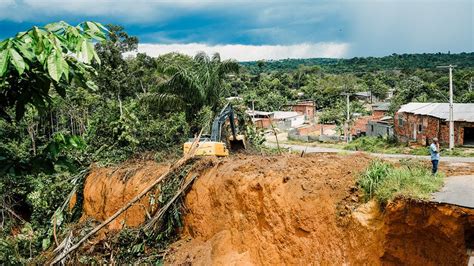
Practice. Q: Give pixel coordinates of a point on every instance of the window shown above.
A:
(371, 128)
(420, 128)
(400, 121)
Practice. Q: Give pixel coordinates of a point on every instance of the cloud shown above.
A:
(372, 27)
(412, 27)
(251, 52)
(133, 11)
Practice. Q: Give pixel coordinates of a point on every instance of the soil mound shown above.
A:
(277, 210)
(107, 189)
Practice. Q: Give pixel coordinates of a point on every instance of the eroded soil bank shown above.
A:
(421, 233)
(290, 210)
(106, 190)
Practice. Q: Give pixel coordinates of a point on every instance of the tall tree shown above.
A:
(192, 88)
(113, 78)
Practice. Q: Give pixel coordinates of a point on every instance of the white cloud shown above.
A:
(412, 27)
(251, 52)
(126, 10)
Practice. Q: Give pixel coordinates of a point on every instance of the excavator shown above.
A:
(213, 145)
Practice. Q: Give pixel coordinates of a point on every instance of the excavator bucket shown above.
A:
(238, 143)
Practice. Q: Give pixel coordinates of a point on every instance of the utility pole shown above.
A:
(451, 106)
(348, 132)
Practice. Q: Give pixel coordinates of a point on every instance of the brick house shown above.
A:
(420, 122)
(380, 110)
(306, 108)
(261, 119)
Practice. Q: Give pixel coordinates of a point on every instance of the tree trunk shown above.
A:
(120, 104)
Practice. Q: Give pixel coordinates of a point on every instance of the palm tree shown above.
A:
(192, 88)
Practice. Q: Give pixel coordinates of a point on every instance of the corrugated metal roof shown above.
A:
(381, 106)
(284, 115)
(461, 111)
(250, 112)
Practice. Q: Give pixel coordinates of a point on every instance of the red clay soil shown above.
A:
(108, 189)
(420, 233)
(267, 210)
(277, 210)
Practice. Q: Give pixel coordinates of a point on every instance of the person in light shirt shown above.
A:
(434, 151)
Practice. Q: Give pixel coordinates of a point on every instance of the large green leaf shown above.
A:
(17, 61)
(55, 67)
(56, 26)
(86, 57)
(4, 55)
(92, 27)
(65, 69)
(25, 52)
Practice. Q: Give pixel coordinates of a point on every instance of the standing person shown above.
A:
(434, 151)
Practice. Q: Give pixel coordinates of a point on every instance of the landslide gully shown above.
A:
(293, 210)
(266, 210)
(278, 210)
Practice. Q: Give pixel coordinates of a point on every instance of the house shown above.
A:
(377, 124)
(305, 107)
(380, 110)
(281, 119)
(420, 122)
(360, 126)
(365, 96)
(261, 119)
(287, 120)
(380, 128)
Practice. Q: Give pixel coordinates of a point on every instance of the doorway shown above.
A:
(468, 136)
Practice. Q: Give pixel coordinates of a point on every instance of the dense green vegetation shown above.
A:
(411, 179)
(69, 97)
(273, 84)
(368, 64)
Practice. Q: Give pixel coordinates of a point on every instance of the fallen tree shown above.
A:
(66, 249)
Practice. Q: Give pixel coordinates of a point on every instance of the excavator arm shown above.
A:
(219, 121)
(215, 146)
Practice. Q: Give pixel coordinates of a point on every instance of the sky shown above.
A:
(248, 30)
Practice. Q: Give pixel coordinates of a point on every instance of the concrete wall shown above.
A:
(297, 121)
(375, 129)
(311, 138)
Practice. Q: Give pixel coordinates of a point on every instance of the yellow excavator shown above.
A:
(213, 145)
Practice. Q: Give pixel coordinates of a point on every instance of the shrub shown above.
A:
(374, 144)
(385, 182)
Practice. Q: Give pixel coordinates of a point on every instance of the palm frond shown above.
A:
(216, 58)
(201, 58)
(163, 101)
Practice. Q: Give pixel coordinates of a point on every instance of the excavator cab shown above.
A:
(213, 145)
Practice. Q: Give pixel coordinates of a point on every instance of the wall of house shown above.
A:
(421, 129)
(375, 129)
(263, 123)
(297, 120)
(306, 110)
(378, 114)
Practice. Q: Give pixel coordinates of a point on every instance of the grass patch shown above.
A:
(375, 144)
(384, 182)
